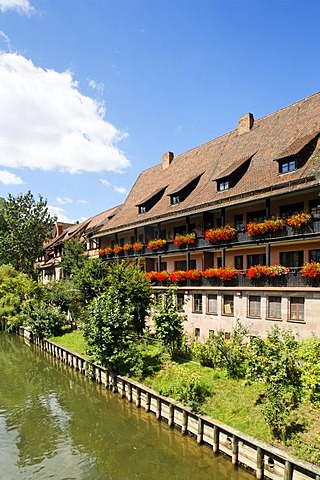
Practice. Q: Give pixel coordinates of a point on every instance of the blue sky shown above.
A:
(94, 91)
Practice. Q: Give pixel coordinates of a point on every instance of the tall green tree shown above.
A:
(25, 224)
(131, 284)
(73, 258)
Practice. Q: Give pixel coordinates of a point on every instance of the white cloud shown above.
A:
(60, 214)
(105, 182)
(120, 190)
(21, 6)
(46, 123)
(83, 202)
(64, 200)
(8, 178)
(98, 87)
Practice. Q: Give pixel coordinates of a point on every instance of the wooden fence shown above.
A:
(264, 460)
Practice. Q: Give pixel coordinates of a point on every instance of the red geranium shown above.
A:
(186, 239)
(177, 276)
(214, 235)
(193, 274)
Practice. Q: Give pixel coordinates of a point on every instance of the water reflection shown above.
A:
(54, 423)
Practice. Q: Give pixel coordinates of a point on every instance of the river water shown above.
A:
(57, 424)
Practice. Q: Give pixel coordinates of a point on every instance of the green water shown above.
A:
(56, 424)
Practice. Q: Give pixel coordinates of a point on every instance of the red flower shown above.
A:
(127, 247)
(108, 250)
(137, 246)
(257, 271)
(186, 239)
(117, 249)
(163, 276)
(152, 276)
(268, 226)
(156, 244)
(101, 253)
(193, 274)
(311, 270)
(225, 274)
(299, 219)
(177, 276)
(214, 235)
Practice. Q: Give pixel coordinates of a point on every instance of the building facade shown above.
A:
(239, 220)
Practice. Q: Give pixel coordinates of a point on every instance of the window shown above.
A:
(197, 333)
(254, 309)
(297, 308)
(212, 306)
(238, 262)
(291, 259)
(141, 237)
(182, 265)
(227, 306)
(314, 255)
(288, 210)
(180, 301)
(142, 209)
(197, 302)
(286, 166)
(257, 259)
(175, 200)
(274, 307)
(238, 222)
(223, 185)
(257, 216)
(163, 266)
(211, 333)
(314, 208)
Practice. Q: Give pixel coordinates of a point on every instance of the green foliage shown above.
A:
(309, 360)
(185, 386)
(131, 286)
(63, 294)
(90, 280)
(16, 289)
(221, 352)
(73, 258)
(168, 321)
(109, 331)
(24, 226)
(274, 362)
(44, 320)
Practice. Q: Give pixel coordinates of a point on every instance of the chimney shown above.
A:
(245, 123)
(167, 159)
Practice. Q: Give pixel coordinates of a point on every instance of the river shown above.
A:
(57, 424)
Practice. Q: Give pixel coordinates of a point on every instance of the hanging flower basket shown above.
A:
(156, 244)
(299, 220)
(187, 239)
(226, 233)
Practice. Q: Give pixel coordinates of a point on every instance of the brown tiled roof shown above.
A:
(298, 145)
(236, 164)
(151, 195)
(180, 186)
(271, 136)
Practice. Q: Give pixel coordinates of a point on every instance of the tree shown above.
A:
(274, 361)
(131, 284)
(168, 322)
(73, 258)
(25, 224)
(109, 331)
(91, 279)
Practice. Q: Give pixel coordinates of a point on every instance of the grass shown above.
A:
(230, 401)
(72, 340)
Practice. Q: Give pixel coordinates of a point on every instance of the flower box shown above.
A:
(268, 226)
(101, 253)
(163, 276)
(151, 276)
(117, 249)
(299, 219)
(137, 246)
(108, 251)
(311, 270)
(186, 239)
(193, 274)
(127, 247)
(156, 244)
(226, 233)
(224, 274)
(178, 276)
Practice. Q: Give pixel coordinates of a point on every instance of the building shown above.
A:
(246, 196)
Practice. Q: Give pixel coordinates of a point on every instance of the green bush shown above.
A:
(43, 320)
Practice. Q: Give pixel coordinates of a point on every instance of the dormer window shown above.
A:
(150, 201)
(181, 191)
(286, 166)
(142, 209)
(223, 184)
(175, 200)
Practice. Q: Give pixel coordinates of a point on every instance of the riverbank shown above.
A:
(230, 401)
